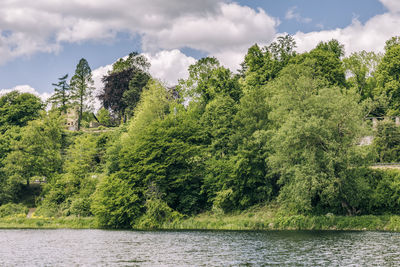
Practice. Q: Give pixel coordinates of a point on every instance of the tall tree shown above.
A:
(314, 144)
(82, 87)
(61, 97)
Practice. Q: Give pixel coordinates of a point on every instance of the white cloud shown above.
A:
(292, 14)
(232, 26)
(170, 66)
(216, 27)
(26, 89)
(392, 5)
(370, 36)
(97, 76)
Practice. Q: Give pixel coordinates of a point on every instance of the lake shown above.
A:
(197, 248)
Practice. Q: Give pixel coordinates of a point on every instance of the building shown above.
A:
(72, 116)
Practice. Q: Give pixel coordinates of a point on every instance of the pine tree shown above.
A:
(61, 97)
(82, 87)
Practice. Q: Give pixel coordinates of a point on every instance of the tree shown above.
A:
(207, 79)
(82, 87)
(263, 64)
(160, 152)
(103, 115)
(361, 67)
(124, 84)
(17, 109)
(387, 142)
(325, 60)
(37, 152)
(388, 76)
(314, 144)
(61, 97)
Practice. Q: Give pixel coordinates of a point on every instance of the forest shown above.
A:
(284, 130)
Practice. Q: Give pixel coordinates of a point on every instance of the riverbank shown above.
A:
(266, 218)
(22, 222)
(256, 218)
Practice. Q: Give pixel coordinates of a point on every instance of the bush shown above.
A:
(12, 209)
(386, 198)
(157, 213)
(223, 201)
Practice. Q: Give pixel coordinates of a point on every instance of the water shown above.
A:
(197, 248)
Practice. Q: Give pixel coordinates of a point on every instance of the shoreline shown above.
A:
(254, 219)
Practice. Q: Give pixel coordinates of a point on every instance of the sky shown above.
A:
(43, 40)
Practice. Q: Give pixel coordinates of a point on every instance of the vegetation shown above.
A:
(275, 146)
(81, 87)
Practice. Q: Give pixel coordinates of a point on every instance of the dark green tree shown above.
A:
(124, 85)
(81, 88)
(61, 97)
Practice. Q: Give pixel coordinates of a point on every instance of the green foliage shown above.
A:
(386, 198)
(262, 65)
(361, 67)
(207, 79)
(167, 153)
(61, 97)
(388, 76)
(124, 84)
(116, 204)
(70, 193)
(81, 88)
(157, 214)
(17, 109)
(11, 209)
(387, 142)
(36, 152)
(313, 144)
(103, 115)
(134, 60)
(285, 130)
(153, 105)
(325, 62)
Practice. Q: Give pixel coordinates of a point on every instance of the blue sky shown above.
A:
(42, 40)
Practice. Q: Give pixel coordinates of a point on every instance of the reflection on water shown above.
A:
(197, 248)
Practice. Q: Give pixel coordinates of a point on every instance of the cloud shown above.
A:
(231, 27)
(392, 5)
(26, 89)
(370, 36)
(212, 26)
(97, 76)
(170, 66)
(292, 14)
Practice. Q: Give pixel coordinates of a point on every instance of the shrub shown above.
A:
(12, 209)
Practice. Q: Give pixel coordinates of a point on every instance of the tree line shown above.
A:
(284, 129)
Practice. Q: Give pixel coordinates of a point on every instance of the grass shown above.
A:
(268, 218)
(256, 218)
(21, 222)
